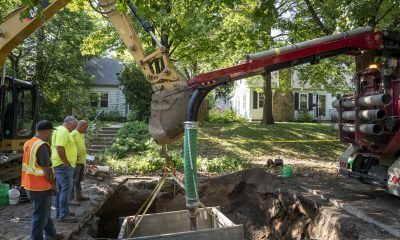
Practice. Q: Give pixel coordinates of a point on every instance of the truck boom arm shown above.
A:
(351, 42)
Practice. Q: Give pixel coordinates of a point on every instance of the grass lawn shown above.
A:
(305, 145)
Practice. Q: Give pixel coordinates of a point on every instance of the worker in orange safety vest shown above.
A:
(38, 180)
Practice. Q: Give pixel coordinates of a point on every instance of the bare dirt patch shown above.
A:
(267, 206)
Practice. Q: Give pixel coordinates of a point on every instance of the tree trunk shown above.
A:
(40, 76)
(268, 119)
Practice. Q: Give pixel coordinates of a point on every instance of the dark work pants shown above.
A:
(78, 176)
(41, 220)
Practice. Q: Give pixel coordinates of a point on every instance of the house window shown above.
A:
(321, 105)
(94, 100)
(104, 100)
(303, 102)
(260, 100)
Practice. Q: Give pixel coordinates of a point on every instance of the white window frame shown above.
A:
(259, 98)
(307, 107)
(101, 100)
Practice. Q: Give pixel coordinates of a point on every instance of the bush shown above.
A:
(225, 164)
(228, 116)
(305, 117)
(132, 138)
(111, 116)
(147, 161)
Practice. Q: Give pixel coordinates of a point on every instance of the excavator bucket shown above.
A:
(168, 111)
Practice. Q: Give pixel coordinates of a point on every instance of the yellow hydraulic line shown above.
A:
(271, 141)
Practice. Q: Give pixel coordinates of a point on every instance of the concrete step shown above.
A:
(101, 142)
(99, 146)
(110, 128)
(108, 131)
(90, 150)
(109, 135)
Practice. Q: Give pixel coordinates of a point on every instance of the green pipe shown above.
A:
(190, 171)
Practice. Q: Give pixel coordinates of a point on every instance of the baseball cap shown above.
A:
(44, 125)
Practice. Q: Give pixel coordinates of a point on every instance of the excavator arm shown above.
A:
(171, 93)
(176, 100)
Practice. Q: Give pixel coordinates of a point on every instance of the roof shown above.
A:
(105, 70)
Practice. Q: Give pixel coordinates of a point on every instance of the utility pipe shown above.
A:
(310, 43)
(190, 154)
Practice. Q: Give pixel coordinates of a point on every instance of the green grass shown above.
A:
(228, 147)
(255, 142)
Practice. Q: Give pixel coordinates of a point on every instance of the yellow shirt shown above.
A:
(62, 138)
(79, 139)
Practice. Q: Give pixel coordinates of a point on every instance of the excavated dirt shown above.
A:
(267, 206)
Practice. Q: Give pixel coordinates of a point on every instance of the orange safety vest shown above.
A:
(32, 177)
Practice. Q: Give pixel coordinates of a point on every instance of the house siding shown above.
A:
(329, 110)
(241, 100)
(116, 99)
(243, 92)
(256, 114)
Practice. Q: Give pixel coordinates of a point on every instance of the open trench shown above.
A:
(266, 206)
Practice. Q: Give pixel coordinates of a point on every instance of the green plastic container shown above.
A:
(4, 188)
(287, 171)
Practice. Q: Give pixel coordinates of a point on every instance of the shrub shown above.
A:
(305, 117)
(228, 116)
(111, 116)
(225, 164)
(132, 138)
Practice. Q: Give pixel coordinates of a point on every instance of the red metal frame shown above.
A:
(367, 41)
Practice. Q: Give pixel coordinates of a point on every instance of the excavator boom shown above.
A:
(171, 93)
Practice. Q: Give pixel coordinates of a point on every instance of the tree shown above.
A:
(250, 28)
(137, 91)
(51, 57)
(311, 19)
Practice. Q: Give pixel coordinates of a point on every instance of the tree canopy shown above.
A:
(200, 35)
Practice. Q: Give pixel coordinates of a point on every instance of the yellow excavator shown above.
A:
(18, 98)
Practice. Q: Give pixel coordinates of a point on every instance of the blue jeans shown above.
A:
(41, 220)
(64, 180)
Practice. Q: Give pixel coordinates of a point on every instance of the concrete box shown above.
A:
(175, 225)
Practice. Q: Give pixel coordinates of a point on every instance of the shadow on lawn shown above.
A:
(241, 139)
(279, 131)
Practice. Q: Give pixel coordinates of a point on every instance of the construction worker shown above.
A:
(63, 159)
(79, 138)
(38, 180)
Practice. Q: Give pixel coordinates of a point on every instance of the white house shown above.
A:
(106, 93)
(248, 102)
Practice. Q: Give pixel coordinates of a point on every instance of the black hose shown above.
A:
(143, 22)
(195, 100)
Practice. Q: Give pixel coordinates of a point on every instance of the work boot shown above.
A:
(57, 236)
(68, 219)
(79, 197)
(74, 202)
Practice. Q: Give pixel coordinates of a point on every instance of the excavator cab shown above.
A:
(18, 111)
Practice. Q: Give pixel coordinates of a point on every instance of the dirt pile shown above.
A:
(268, 207)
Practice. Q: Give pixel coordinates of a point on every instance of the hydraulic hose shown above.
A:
(144, 24)
(190, 154)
